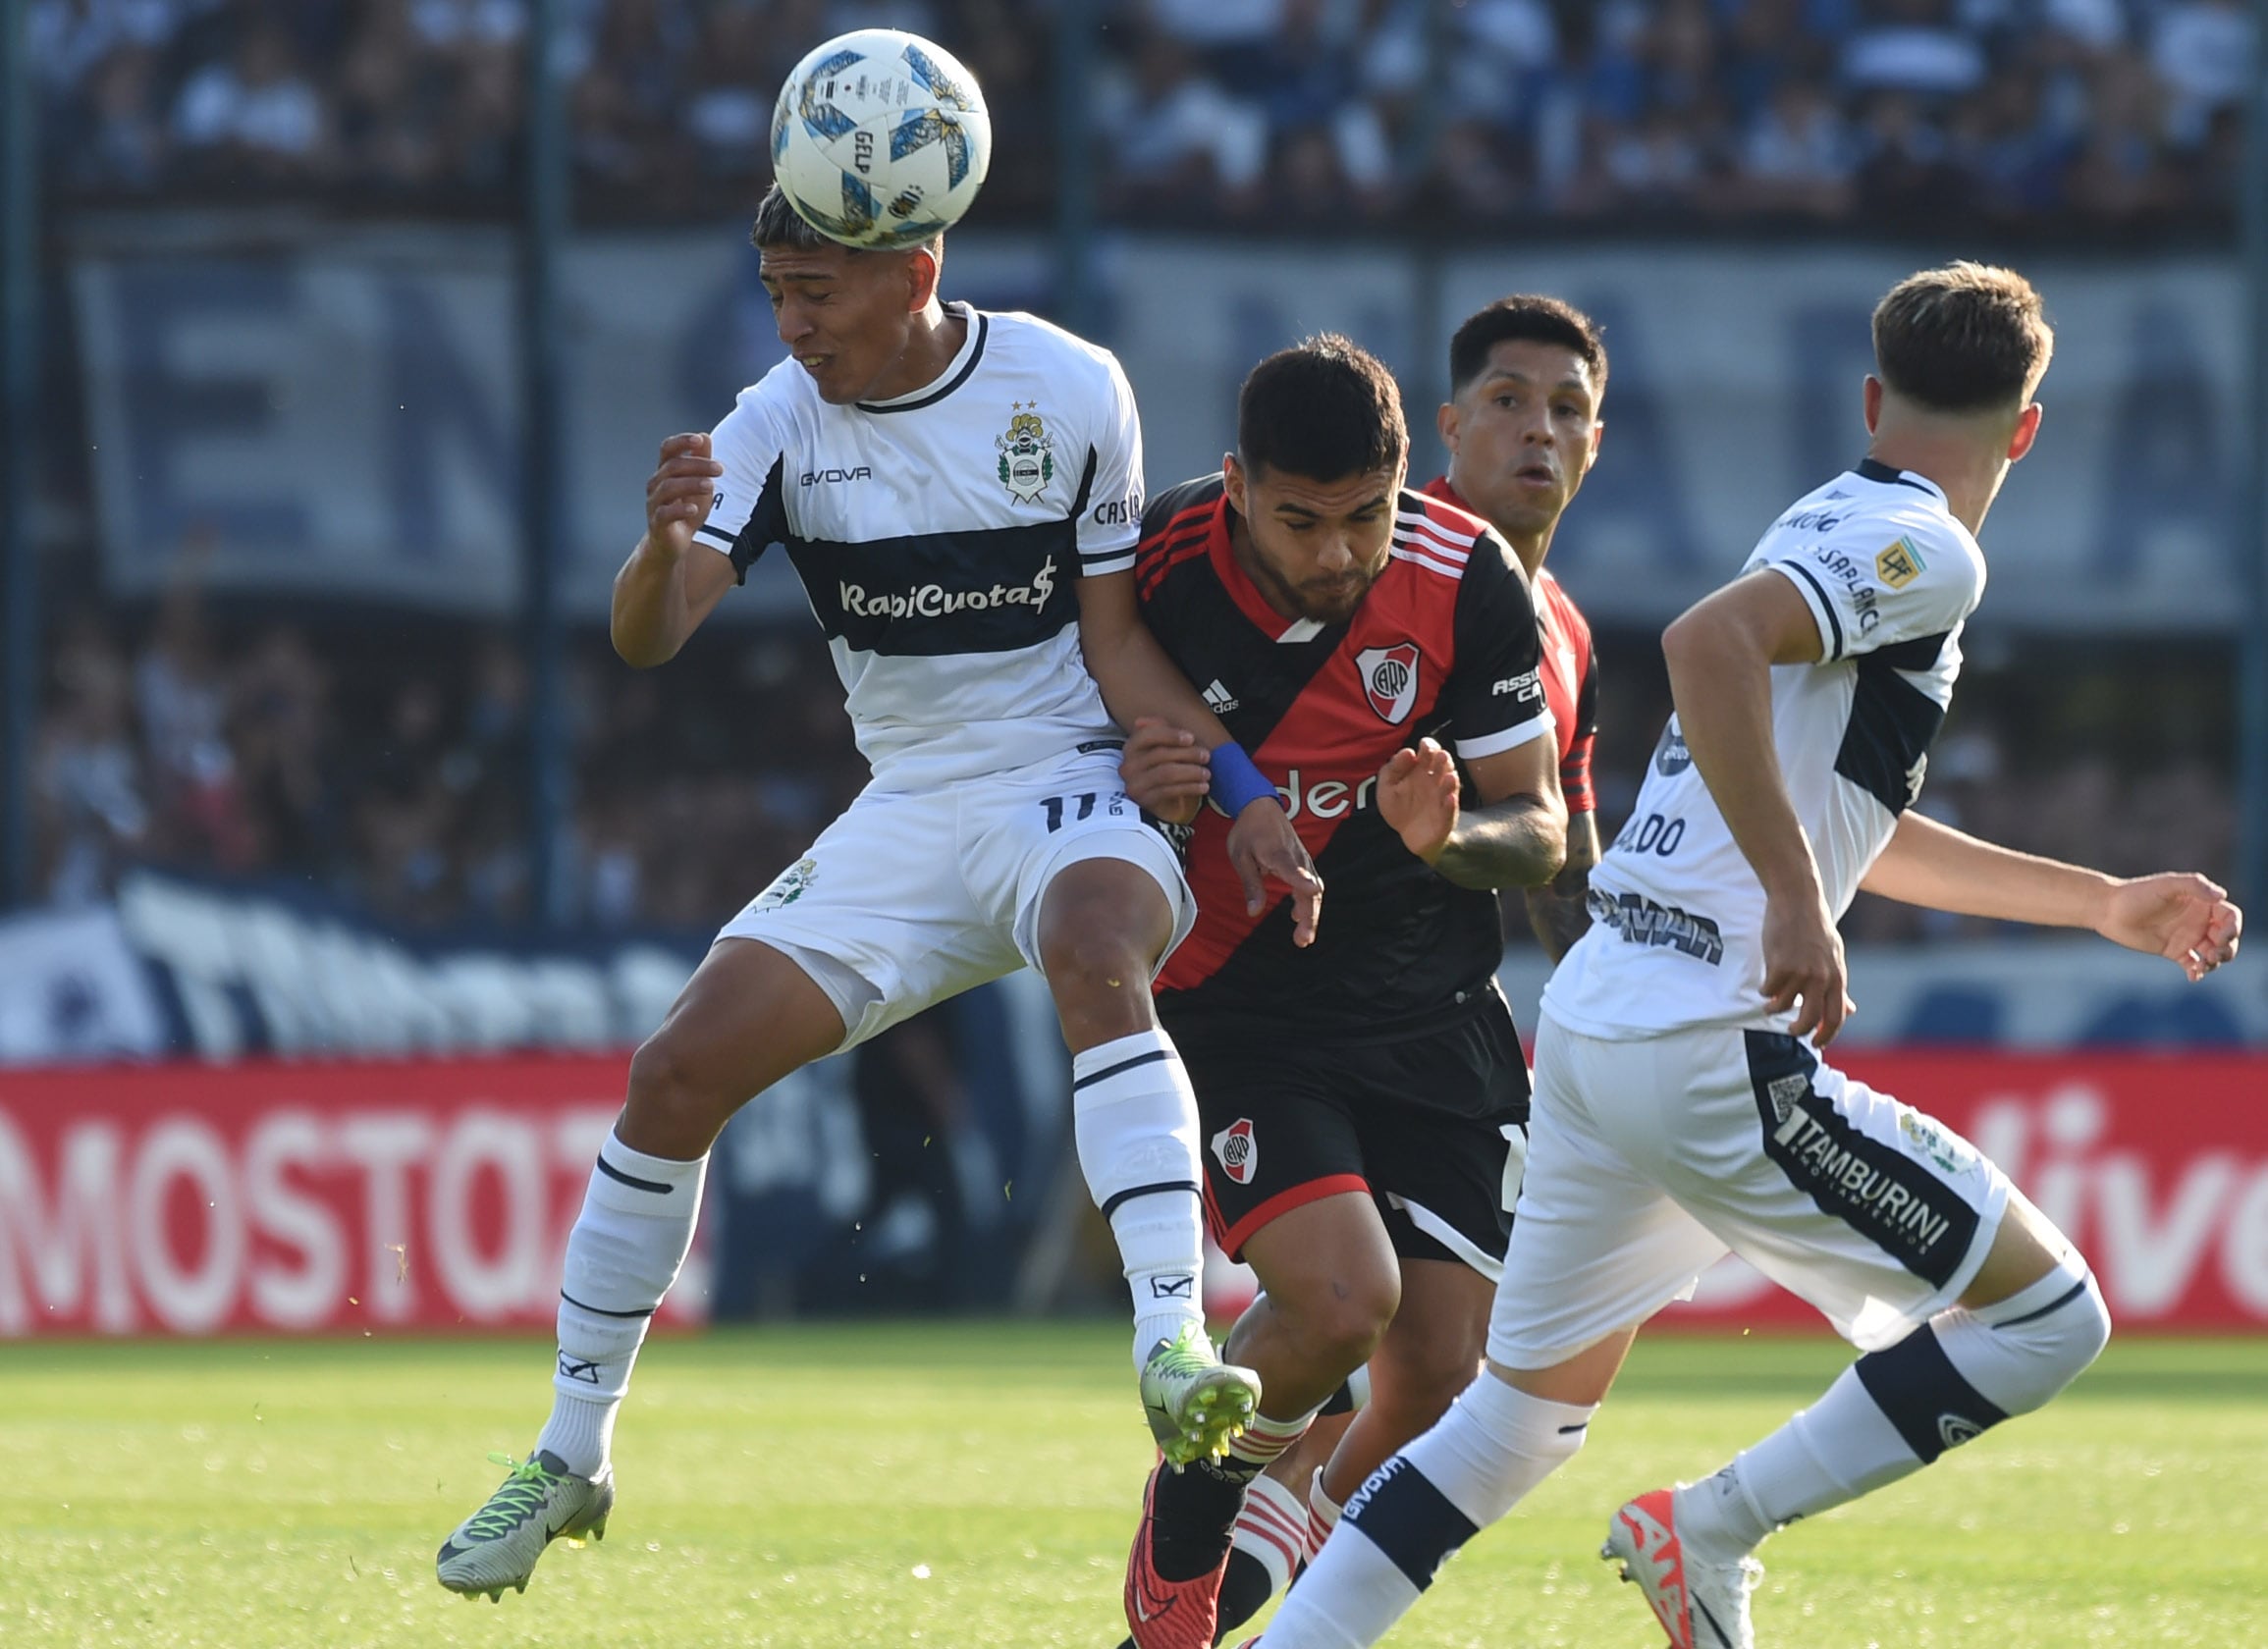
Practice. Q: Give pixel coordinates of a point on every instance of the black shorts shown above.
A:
(1423, 1124)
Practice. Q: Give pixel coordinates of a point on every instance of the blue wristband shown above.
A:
(1236, 783)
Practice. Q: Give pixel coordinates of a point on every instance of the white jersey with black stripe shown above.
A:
(938, 537)
(1677, 913)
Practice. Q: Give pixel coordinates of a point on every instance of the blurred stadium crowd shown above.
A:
(380, 767)
(2020, 113)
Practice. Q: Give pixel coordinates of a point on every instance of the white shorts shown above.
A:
(911, 897)
(1648, 1158)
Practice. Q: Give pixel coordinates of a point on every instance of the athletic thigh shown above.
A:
(1874, 1212)
(880, 914)
(1597, 1245)
(1023, 830)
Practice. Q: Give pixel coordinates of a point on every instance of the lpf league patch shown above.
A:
(1237, 1153)
(1390, 680)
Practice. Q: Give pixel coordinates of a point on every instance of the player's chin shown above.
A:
(1330, 603)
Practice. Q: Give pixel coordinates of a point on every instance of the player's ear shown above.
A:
(1445, 421)
(2027, 431)
(1874, 402)
(1232, 481)
(923, 265)
(1598, 434)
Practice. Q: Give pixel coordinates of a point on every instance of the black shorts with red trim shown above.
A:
(1421, 1123)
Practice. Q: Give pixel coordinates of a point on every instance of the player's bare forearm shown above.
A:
(661, 597)
(648, 623)
(1520, 841)
(1559, 919)
(1137, 679)
(1560, 914)
(1720, 679)
(1938, 867)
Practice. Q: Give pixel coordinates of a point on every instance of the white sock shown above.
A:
(1894, 1412)
(636, 1224)
(1273, 1527)
(1134, 1119)
(1492, 1447)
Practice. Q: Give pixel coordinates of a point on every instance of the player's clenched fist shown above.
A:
(681, 491)
(1164, 771)
(1417, 797)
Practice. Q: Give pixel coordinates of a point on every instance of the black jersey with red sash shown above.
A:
(1570, 673)
(1445, 643)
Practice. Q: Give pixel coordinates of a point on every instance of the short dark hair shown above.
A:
(780, 227)
(1325, 408)
(1528, 318)
(1966, 338)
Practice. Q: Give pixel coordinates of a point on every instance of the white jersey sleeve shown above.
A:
(1889, 577)
(748, 514)
(1110, 523)
(1873, 584)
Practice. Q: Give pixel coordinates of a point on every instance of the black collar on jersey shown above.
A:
(1873, 469)
(979, 325)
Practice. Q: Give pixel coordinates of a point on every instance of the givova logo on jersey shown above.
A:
(1237, 1151)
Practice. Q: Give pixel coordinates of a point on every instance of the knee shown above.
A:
(1340, 1325)
(1430, 1372)
(1098, 978)
(671, 1103)
(1091, 961)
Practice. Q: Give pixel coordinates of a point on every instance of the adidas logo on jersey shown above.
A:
(934, 601)
(1219, 699)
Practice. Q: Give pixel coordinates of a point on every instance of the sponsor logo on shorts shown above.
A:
(1948, 1151)
(1878, 1187)
(788, 886)
(1835, 1169)
(1237, 1151)
(1786, 1094)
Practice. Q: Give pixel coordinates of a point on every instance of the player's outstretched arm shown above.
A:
(2184, 917)
(1720, 653)
(1517, 837)
(670, 584)
(1139, 685)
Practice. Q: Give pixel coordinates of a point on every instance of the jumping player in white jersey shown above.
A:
(1679, 1112)
(960, 494)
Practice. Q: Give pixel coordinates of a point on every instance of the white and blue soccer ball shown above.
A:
(880, 139)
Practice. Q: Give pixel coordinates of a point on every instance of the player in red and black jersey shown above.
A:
(1527, 375)
(1377, 654)
(1526, 378)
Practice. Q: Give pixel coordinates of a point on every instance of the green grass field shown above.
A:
(971, 1487)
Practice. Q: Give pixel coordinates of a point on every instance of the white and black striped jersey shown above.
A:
(1677, 913)
(938, 537)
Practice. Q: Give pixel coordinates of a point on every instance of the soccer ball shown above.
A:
(880, 139)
